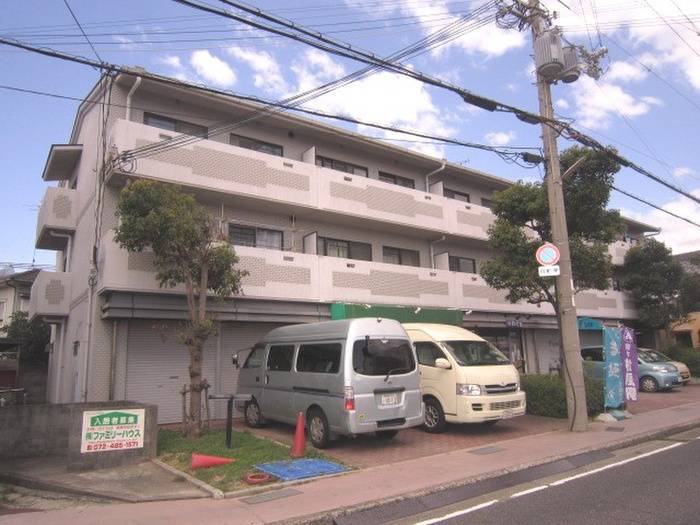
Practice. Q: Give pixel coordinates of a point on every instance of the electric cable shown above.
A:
(651, 204)
(672, 28)
(82, 30)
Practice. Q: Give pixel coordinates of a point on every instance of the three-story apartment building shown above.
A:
(325, 221)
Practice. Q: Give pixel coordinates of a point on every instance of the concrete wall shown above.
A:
(56, 430)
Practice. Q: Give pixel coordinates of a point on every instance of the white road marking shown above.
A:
(529, 491)
(457, 513)
(612, 465)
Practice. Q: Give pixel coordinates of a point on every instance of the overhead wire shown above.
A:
(77, 22)
(681, 37)
(652, 205)
(695, 27)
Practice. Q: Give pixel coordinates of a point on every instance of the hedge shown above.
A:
(546, 395)
(689, 356)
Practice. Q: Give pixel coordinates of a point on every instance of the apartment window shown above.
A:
(397, 180)
(177, 126)
(462, 264)
(486, 203)
(255, 237)
(339, 165)
(456, 195)
(401, 256)
(256, 145)
(361, 251)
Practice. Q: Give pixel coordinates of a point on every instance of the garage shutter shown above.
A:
(157, 367)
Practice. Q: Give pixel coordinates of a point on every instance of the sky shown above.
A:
(646, 103)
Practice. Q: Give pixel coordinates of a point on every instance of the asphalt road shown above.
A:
(655, 483)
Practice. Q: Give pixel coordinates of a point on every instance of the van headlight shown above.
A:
(468, 390)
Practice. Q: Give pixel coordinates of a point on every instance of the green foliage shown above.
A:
(248, 450)
(653, 278)
(689, 356)
(522, 224)
(690, 293)
(32, 335)
(546, 395)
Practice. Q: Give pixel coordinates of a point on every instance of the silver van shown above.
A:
(348, 377)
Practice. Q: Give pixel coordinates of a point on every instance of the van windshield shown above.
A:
(380, 357)
(475, 353)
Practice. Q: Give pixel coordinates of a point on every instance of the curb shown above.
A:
(329, 517)
(212, 491)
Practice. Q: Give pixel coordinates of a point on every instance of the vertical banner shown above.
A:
(630, 368)
(612, 341)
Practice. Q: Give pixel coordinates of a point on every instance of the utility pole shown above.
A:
(571, 351)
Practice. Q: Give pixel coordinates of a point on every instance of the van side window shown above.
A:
(592, 354)
(255, 358)
(322, 358)
(280, 358)
(428, 353)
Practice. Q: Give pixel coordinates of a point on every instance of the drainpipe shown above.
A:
(68, 247)
(128, 97)
(427, 177)
(113, 362)
(432, 250)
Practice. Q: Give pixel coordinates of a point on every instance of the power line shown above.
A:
(672, 28)
(635, 197)
(82, 30)
(697, 30)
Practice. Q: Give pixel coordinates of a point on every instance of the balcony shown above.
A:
(212, 166)
(618, 250)
(58, 214)
(50, 295)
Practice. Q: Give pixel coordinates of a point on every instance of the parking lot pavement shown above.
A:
(667, 399)
(368, 451)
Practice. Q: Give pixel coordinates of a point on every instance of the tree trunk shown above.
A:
(193, 426)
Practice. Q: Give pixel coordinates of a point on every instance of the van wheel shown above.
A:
(253, 416)
(648, 384)
(319, 433)
(434, 417)
(386, 434)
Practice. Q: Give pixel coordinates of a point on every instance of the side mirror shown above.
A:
(443, 363)
(234, 361)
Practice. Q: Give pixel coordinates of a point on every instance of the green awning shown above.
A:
(403, 314)
(588, 323)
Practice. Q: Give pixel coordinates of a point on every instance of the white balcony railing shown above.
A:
(50, 295)
(58, 214)
(279, 275)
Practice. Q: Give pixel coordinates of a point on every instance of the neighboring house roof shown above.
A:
(20, 278)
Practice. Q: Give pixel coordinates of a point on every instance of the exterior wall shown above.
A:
(7, 299)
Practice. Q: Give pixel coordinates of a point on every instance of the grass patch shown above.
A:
(247, 449)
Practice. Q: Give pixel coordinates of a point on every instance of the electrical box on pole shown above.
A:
(549, 55)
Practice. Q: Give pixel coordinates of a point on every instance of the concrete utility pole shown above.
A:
(571, 351)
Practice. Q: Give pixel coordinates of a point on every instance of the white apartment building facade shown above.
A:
(327, 222)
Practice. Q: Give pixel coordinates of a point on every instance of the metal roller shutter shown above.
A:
(156, 367)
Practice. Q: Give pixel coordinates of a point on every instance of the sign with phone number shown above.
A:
(107, 430)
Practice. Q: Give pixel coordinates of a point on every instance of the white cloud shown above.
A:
(622, 71)
(598, 102)
(499, 138)
(682, 172)
(677, 234)
(172, 61)
(385, 98)
(268, 75)
(562, 104)
(212, 69)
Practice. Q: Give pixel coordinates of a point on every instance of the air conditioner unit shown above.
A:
(549, 56)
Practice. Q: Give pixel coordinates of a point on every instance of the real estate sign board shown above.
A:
(109, 430)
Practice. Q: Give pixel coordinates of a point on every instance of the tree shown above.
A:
(690, 293)
(184, 240)
(522, 224)
(32, 337)
(653, 277)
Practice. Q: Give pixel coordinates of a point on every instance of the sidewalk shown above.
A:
(324, 498)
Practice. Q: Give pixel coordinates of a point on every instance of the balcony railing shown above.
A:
(50, 295)
(58, 214)
(279, 275)
(215, 166)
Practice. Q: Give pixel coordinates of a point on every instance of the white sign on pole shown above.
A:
(549, 271)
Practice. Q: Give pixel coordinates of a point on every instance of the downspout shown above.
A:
(133, 89)
(432, 249)
(427, 177)
(113, 361)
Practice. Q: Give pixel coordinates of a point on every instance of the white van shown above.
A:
(464, 379)
(349, 377)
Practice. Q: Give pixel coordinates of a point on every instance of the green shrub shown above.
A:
(546, 395)
(689, 356)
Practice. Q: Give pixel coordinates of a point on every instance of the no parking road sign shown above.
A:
(548, 257)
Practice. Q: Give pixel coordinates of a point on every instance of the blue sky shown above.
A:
(647, 104)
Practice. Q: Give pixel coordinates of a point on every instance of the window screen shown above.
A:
(322, 358)
(255, 237)
(457, 195)
(462, 264)
(257, 145)
(361, 251)
(279, 358)
(171, 124)
(397, 179)
(340, 165)
(401, 256)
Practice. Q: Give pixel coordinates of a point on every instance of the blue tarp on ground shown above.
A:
(300, 468)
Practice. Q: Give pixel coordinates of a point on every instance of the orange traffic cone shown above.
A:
(203, 461)
(299, 445)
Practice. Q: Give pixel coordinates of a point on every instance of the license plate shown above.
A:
(508, 412)
(389, 399)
